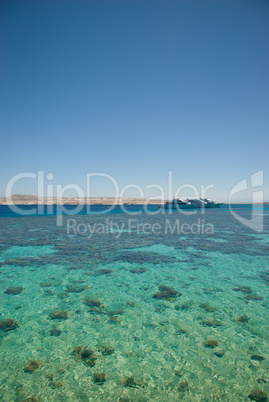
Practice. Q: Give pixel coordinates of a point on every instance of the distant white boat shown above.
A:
(179, 203)
(204, 203)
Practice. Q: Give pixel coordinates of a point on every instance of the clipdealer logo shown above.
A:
(111, 227)
(256, 222)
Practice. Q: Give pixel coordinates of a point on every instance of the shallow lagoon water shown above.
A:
(158, 343)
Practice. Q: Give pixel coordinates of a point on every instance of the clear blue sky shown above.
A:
(135, 88)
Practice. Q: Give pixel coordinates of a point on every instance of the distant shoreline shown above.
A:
(22, 199)
(35, 200)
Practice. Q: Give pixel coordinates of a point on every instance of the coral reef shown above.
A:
(137, 270)
(183, 386)
(75, 288)
(166, 293)
(14, 290)
(107, 350)
(265, 276)
(243, 289)
(243, 318)
(58, 315)
(206, 307)
(99, 378)
(258, 358)
(210, 343)
(219, 353)
(55, 332)
(259, 396)
(211, 323)
(132, 382)
(114, 319)
(31, 366)
(87, 356)
(253, 297)
(92, 302)
(8, 325)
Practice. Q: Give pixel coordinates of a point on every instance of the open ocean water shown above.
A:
(114, 312)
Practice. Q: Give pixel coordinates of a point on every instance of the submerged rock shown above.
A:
(49, 284)
(166, 293)
(8, 325)
(86, 353)
(87, 356)
(219, 353)
(76, 351)
(114, 319)
(137, 270)
(116, 311)
(258, 358)
(243, 318)
(107, 350)
(132, 382)
(183, 386)
(262, 380)
(211, 323)
(206, 307)
(96, 310)
(99, 378)
(55, 332)
(58, 315)
(253, 297)
(181, 331)
(14, 290)
(184, 306)
(210, 343)
(243, 289)
(92, 302)
(258, 396)
(265, 276)
(55, 384)
(31, 366)
(48, 292)
(75, 288)
(90, 361)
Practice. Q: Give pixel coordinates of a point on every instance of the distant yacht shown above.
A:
(179, 203)
(204, 203)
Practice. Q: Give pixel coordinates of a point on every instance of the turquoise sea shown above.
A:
(133, 306)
